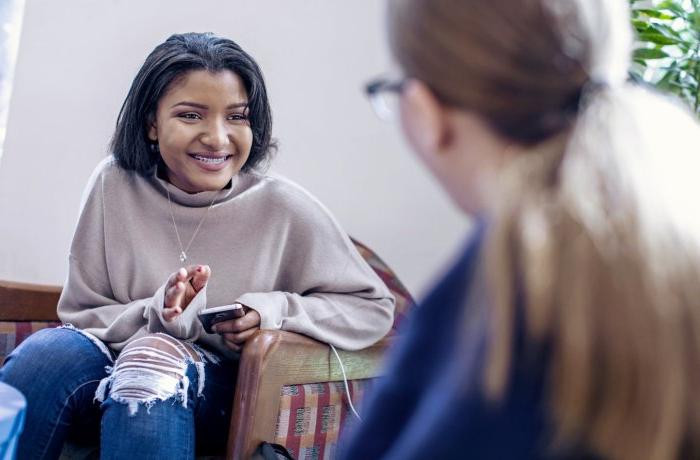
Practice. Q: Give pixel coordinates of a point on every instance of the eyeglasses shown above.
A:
(383, 94)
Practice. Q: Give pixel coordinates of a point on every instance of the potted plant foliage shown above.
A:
(668, 47)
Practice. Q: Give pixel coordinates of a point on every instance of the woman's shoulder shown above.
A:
(96, 180)
(107, 168)
(107, 177)
(111, 175)
(285, 192)
(291, 202)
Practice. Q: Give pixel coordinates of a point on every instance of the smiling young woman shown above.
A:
(181, 218)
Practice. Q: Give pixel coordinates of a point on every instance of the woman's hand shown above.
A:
(236, 331)
(181, 288)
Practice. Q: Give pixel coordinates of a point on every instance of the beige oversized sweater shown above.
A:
(269, 243)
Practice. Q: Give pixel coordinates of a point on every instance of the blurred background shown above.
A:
(75, 63)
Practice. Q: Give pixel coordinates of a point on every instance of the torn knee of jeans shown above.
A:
(151, 369)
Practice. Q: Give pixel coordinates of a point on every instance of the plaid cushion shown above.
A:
(12, 333)
(404, 301)
(311, 416)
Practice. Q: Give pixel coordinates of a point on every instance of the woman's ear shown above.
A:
(424, 119)
(152, 131)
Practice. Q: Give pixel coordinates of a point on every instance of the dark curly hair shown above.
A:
(169, 61)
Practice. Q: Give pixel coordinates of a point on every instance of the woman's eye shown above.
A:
(190, 116)
(238, 117)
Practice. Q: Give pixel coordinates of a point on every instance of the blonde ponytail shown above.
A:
(602, 226)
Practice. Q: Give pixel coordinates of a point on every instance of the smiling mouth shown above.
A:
(210, 159)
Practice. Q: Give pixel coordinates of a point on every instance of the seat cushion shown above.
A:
(12, 333)
(311, 416)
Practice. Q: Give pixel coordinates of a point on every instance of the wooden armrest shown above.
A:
(28, 302)
(272, 359)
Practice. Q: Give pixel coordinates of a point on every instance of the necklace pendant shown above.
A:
(184, 249)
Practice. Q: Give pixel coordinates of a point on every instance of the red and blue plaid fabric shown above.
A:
(311, 417)
(12, 333)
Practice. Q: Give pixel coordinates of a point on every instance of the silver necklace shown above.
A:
(183, 251)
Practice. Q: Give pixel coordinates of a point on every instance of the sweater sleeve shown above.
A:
(87, 300)
(331, 293)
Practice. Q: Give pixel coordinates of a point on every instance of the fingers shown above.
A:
(235, 332)
(236, 341)
(174, 294)
(181, 286)
(172, 304)
(200, 276)
(180, 275)
(196, 275)
(250, 320)
(170, 314)
(174, 290)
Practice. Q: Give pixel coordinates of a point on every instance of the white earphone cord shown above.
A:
(345, 381)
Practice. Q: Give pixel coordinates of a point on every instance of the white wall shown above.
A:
(76, 62)
(11, 14)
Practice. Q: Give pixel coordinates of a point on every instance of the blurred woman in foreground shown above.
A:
(569, 327)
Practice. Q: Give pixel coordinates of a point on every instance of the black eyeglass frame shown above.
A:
(383, 84)
(374, 90)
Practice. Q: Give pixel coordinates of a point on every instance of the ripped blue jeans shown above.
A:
(161, 398)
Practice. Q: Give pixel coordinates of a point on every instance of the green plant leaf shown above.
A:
(669, 53)
(665, 30)
(684, 46)
(674, 7)
(668, 81)
(694, 20)
(641, 26)
(657, 38)
(649, 53)
(655, 14)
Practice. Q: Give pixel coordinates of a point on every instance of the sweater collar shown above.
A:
(200, 199)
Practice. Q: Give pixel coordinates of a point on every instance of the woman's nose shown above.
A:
(216, 135)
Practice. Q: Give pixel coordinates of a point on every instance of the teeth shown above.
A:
(211, 161)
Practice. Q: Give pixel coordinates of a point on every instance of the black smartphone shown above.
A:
(210, 316)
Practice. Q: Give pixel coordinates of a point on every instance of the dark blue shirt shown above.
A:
(431, 403)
